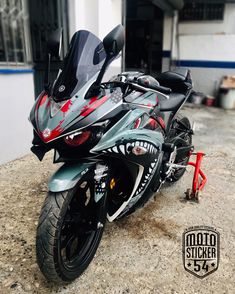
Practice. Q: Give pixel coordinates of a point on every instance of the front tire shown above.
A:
(67, 234)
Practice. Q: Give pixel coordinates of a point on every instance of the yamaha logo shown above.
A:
(201, 250)
(46, 133)
(61, 88)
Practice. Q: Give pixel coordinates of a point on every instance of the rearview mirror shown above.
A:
(54, 42)
(114, 41)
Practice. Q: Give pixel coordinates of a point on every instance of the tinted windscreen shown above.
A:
(84, 59)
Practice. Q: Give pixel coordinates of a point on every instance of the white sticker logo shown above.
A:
(46, 133)
(61, 88)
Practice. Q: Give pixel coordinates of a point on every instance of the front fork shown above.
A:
(101, 182)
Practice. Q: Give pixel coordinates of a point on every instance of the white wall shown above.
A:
(167, 30)
(17, 98)
(211, 47)
(204, 41)
(99, 17)
(83, 15)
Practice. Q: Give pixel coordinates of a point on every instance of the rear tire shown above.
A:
(178, 173)
(67, 234)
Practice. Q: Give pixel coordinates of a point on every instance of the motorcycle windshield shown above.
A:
(84, 59)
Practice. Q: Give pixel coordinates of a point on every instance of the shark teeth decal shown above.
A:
(125, 149)
(115, 149)
(122, 148)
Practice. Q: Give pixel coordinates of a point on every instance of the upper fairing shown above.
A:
(52, 120)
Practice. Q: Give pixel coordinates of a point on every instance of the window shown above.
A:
(199, 10)
(14, 34)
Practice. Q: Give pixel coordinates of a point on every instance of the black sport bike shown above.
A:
(119, 141)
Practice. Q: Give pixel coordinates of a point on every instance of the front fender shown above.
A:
(67, 176)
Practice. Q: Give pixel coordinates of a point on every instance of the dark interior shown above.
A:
(144, 37)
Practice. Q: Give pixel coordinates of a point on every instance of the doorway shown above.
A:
(144, 36)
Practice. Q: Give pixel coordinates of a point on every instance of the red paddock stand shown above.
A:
(199, 178)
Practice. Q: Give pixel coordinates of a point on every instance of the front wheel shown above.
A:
(68, 232)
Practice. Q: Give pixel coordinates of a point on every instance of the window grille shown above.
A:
(14, 32)
(202, 11)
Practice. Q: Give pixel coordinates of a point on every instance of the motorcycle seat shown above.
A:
(179, 75)
(173, 103)
(178, 80)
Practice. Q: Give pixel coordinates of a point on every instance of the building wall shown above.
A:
(17, 97)
(207, 48)
(98, 17)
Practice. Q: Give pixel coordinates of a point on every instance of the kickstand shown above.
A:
(199, 178)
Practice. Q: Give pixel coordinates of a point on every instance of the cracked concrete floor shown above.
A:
(142, 253)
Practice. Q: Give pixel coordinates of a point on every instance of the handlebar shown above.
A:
(163, 90)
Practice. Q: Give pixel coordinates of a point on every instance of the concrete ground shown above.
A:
(142, 253)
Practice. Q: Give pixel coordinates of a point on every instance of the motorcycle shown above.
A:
(119, 141)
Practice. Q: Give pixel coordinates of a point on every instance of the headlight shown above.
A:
(78, 138)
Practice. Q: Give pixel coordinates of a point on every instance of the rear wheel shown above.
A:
(183, 124)
(67, 234)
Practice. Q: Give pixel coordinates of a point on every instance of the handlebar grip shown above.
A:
(162, 89)
(145, 88)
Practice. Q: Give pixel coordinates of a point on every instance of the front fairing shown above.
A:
(52, 120)
(56, 113)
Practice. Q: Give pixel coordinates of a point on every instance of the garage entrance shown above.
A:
(144, 36)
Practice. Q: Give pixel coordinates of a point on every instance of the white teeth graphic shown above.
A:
(141, 144)
(127, 147)
(155, 159)
(150, 169)
(122, 148)
(110, 150)
(115, 149)
(153, 164)
(145, 144)
(137, 143)
(104, 151)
